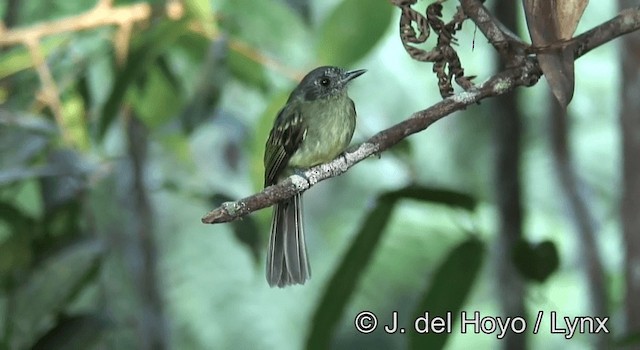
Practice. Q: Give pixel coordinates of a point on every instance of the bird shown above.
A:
(315, 125)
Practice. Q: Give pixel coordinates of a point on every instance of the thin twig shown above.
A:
(48, 93)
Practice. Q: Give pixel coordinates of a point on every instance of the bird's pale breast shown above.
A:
(329, 132)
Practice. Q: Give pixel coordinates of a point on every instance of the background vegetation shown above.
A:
(119, 130)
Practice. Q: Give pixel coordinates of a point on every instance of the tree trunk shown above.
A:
(630, 196)
(510, 284)
(579, 212)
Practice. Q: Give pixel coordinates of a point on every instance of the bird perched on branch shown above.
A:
(315, 125)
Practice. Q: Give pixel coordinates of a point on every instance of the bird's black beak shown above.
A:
(352, 74)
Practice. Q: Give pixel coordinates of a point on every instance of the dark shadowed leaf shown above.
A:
(628, 341)
(164, 67)
(209, 56)
(16, 256)
(402, 149)
(436, 195)
(73, 332)
(448, 290)
(49, 289)
(536, 261)
(352, 30)
(245, 230)
(22, 138)
(69, 183)
(347, 275)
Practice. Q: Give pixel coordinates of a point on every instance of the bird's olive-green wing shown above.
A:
(285, 138)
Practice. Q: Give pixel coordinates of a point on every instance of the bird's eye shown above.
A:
(324, 81)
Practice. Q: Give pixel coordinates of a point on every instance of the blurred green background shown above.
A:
(101, 244)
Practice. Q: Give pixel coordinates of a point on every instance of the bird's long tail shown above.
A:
(287, 261)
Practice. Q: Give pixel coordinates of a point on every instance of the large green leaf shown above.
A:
(350, 270)
(246, 69)
(15, 251)
(48, 290)
(448, 290)
(352, 30)
(262, 32)
(157, 100)
(345, 279)
(264, 25)
(143, 53)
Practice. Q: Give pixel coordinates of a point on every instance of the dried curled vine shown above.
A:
(446, 63)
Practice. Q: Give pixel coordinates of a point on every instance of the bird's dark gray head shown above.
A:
(325, 82)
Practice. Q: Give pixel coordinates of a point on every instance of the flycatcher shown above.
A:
(315, 125)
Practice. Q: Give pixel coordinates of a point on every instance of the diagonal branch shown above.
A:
(380, 142)
(525, 74)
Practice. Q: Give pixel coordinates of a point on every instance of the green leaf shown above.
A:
(437, 195)
(347, 274)
(448, 290)
(345, 279)
(247, 70)
(143, 54)
(157, 100)
(536, 262)
(19, 221)
(68, 182)
(19, 59)
(15, 255)
(49, 289)
(22, 138)
(352, 30)
(265, 25)
(74, 121)
(201, 11)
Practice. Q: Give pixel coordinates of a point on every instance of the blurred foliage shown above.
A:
(344, 281)
(351, 30)
(206, 87)
(448, 291)
(536, 261)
